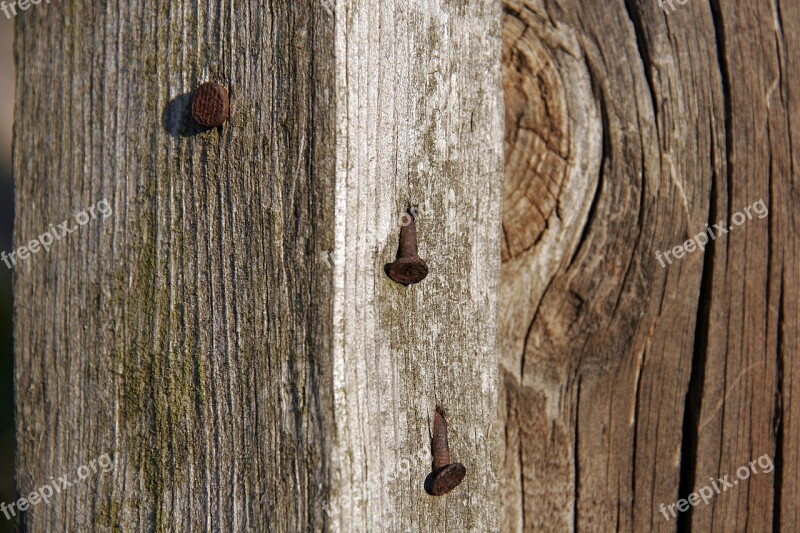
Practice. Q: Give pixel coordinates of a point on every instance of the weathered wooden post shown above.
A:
(227, 333)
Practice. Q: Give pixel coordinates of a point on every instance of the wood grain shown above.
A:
(628, 385)
(189, 335)
(420, 123)
(229, 335)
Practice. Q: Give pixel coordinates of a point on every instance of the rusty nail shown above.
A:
(446, 475)
(408, 268)
(210, 105)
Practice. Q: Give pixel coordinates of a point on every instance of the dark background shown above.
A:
(7, 441)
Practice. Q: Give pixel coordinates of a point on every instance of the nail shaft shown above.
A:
(409, 267)
(446, 475)
(408, 239)
(440, 448)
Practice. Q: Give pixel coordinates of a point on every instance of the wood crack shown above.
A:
(694, 394)
(644, 51)
(778, 424)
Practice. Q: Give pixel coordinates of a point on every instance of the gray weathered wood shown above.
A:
(189, 334)
(228, 334)
(419, 121)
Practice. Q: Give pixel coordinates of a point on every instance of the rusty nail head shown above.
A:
(210, 105)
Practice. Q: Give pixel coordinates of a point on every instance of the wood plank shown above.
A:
(228, 334)
(628, 385)
(420, 123)
(187, 335)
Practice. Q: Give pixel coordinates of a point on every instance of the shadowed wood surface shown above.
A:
(188, 335)
(627, 385)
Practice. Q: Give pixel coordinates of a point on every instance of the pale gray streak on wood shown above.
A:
(420, 122)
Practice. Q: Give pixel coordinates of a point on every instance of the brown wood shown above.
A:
(228, 335)
(627, 385)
